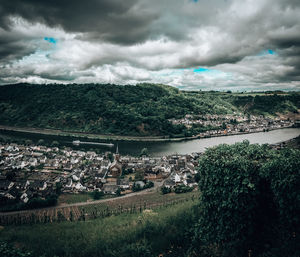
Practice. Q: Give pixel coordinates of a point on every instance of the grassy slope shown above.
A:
(146, 234)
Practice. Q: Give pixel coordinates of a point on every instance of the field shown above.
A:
(142, 233)
(116, 206)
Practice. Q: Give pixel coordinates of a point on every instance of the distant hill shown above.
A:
(143, 109)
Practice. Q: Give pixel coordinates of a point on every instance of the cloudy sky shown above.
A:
(189, 44)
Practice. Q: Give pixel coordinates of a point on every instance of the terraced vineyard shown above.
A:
(116, 206)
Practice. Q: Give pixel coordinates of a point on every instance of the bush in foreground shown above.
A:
(250, 202)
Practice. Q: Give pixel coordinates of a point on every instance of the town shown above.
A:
(30, 172)
(233, 124)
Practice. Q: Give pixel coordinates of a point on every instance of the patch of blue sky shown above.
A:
(42, 54)
(51, 40)
(207, 73)
(267, 52)
(200, 69)
(39, 56)
(210, 72)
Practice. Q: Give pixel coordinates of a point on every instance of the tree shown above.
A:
(97, 195)
(118, 192)
(136, 187)
(238, 213)
(165, 190)
(197, 177)
(149, 184)
(182, 189)
(224, 125)
(144, 152)
(10, 175)
(283, 172)
(41, 142)
(58, 188)
(28, 142)
(139, 175)
(55, 143)
(110, 156)
(7, 250)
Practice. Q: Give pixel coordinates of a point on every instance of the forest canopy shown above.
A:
(142, 109)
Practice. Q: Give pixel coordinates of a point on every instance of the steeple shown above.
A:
(116, 167)
(117, 156)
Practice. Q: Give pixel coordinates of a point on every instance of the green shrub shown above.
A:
(249, 201)
(179, 189)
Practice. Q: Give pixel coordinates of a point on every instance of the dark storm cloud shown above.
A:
(14, 45)
(13, 49)
(116, 21)
(111, 20)
(288, 45)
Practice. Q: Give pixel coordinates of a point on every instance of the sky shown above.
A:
(189, 44)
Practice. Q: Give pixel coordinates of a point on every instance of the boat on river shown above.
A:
(78, 142)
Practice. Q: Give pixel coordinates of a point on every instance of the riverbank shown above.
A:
(291, 143)
(56, 132)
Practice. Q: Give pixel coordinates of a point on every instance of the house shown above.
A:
(98, 177)
(110, 188)
(177, 179)
(123, 183)
(69, 183)
(190, 182)
(169, 183)
(181, 163)
(9, 196)
(22, 185)
(75, 177)
(80, 187)
(38, 185)
(98, 185)
(6, 185)
(26, 196)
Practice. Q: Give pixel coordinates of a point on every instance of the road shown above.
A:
(146, 191)
(57, 132)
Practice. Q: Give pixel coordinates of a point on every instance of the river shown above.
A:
(165, 148)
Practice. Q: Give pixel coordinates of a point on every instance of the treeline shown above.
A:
(143, 109)
(269, 104)
(34, 203)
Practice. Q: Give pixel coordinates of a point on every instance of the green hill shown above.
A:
(143, 109)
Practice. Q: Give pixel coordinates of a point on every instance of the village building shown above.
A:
(116, 167)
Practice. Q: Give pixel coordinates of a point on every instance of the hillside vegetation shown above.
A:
(141, 110)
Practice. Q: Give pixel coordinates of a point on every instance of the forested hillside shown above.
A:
(143, 109)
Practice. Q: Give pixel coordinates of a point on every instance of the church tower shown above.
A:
(116, 167)
(117, 156)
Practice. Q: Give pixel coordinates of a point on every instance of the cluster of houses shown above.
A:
(37, 171)
(232, 124)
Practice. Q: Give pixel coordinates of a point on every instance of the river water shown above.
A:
(199, 145)
(165, 148)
